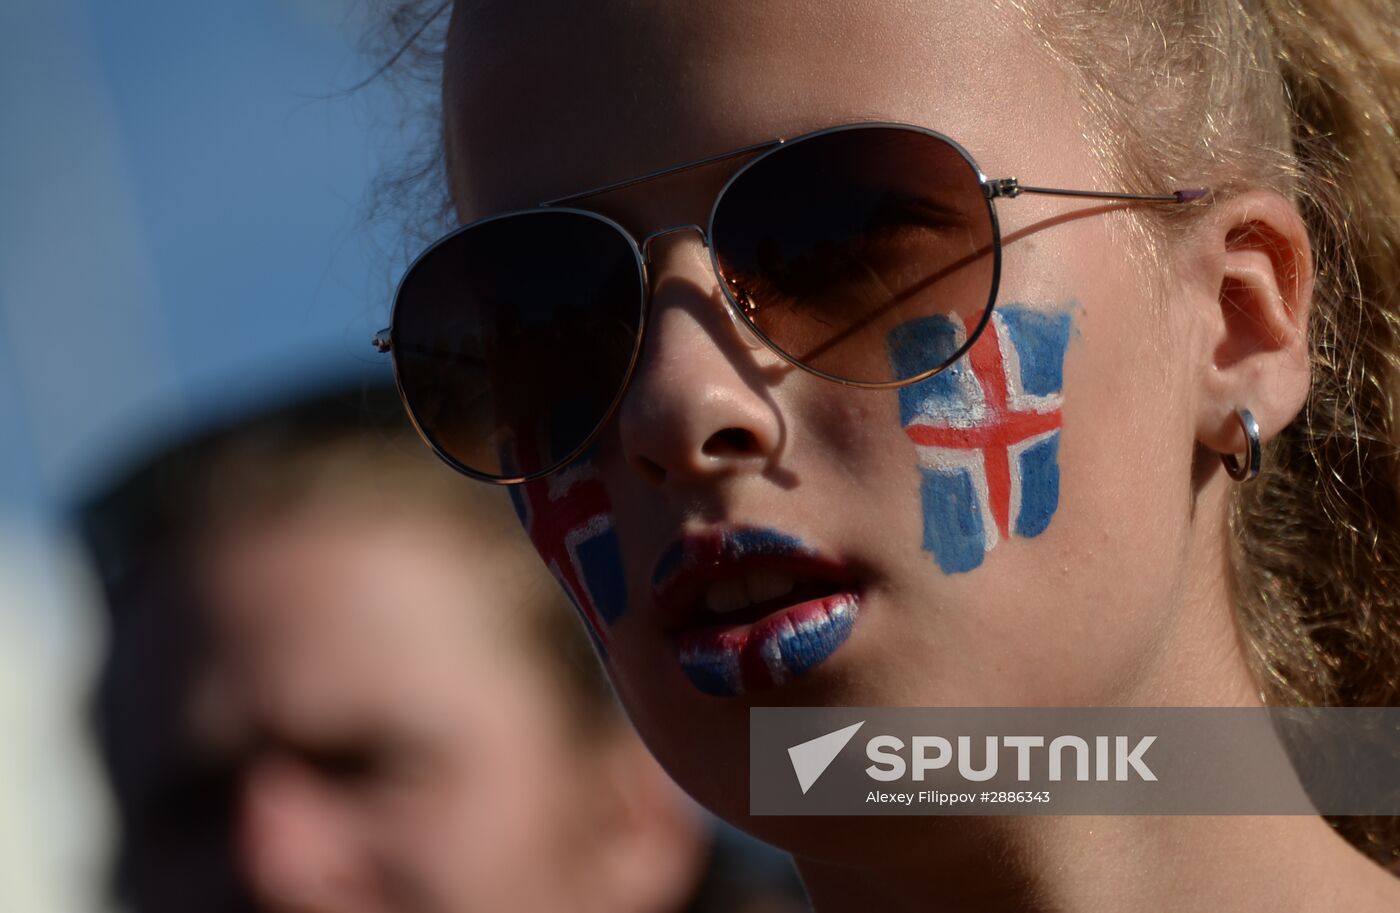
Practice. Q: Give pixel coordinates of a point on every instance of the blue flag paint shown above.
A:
(986, 430)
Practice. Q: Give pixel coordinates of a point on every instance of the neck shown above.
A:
(1081, 864)
(1093, 864)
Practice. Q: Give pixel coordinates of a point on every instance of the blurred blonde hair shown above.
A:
(1303, 97)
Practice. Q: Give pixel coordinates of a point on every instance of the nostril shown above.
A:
(731, 442)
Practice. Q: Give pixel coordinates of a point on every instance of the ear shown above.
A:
(1254, 297)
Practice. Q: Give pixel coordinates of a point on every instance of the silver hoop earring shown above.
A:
(1253, 453)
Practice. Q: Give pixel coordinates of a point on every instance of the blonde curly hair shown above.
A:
(1302, 97)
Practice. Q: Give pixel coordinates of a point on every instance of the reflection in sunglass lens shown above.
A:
(512, 338)
(830, 243)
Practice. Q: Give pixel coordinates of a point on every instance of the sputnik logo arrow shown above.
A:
(810, 759)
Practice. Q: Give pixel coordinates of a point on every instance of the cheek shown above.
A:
(491, 832)
(1128, 459)
(569, 518)
(986, 432)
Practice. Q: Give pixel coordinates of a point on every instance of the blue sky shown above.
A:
(182, 223)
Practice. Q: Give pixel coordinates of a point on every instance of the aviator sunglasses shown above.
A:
(514, 337)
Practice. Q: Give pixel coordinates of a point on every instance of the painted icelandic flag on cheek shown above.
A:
(569, 518)
(986, 430)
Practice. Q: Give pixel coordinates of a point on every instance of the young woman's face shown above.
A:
(976, 568)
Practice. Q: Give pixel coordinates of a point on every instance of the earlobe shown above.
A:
(1257, 327)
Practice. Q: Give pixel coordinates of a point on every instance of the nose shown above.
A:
(293, 849)
(745, 332)
(698, 406)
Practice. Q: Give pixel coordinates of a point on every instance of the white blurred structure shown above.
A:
(74, 278)
(55, 825)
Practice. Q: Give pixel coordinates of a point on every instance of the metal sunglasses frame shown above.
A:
(993, 189)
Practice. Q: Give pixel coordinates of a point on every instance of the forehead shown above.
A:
(547, 98)
(337, 611)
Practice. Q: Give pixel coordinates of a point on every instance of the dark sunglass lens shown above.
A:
(512, 338)
(830, 244)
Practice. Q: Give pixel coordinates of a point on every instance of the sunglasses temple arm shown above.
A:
(1011, 188)
(1008, 187)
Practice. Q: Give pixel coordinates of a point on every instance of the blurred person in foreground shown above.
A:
(324, 692)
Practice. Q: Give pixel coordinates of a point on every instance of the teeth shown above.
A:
(762, 585)
(725, 596)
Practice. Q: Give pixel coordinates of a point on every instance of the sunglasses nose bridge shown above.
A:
(745, 332)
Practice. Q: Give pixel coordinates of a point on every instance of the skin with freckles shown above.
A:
(1105, 586)
(829, 465)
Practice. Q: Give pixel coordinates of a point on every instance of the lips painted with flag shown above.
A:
(987, 429)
